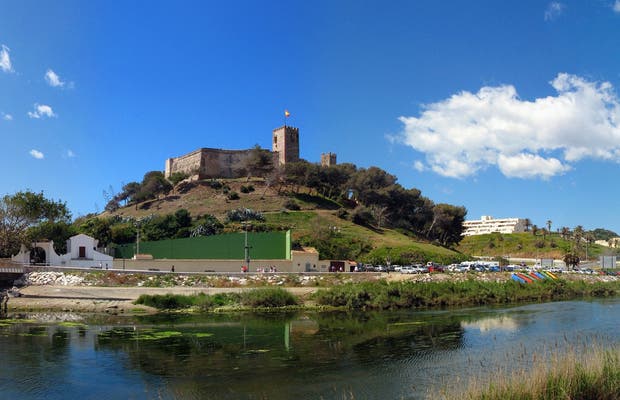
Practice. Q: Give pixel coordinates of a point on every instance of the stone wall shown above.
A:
(286, 144)
(210, 163)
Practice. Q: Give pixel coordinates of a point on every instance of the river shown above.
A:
(389, 355)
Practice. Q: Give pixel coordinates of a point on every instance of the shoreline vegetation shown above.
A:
(383, 295)
(588, 374)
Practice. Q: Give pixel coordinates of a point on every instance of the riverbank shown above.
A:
(94, 293)
(590, 374)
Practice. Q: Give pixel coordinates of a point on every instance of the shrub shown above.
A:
(213, 184)
(233, 196)
(166, 301)
(244, 214)
(342, 213)
(270, 297)
(177, 177)
(291, 204)
(362, 216)
(247, 189)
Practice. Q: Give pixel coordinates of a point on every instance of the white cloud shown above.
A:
(41, 111)
(70, 153)
(5, 59)
(554, 10)
(53, 79)
(7, 117)
(37, 154)
(419, 166)
(616, 6)
(469, 132)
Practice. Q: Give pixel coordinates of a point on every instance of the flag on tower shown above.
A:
(287, 114)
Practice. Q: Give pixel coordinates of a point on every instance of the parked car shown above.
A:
(407, 269)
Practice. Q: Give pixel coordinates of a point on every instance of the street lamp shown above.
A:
(246, 248)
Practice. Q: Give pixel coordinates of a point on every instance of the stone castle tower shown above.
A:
(286, 144)
(328, 159)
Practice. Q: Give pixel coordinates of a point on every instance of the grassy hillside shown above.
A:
(525, 245)
(314, 224)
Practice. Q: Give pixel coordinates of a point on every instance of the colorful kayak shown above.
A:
(541, 276)
(524, 277)
(517, 278)
(534, 276)
(551, 275)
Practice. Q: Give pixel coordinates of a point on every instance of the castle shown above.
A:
(220, 163)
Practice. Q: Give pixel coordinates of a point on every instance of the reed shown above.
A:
(591, 375)
(383, 295)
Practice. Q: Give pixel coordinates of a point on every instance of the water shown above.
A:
(301, 356)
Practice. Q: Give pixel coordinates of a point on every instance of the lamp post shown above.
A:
(246, 248)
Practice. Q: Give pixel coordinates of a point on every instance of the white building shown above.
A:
(81, 253)
(488, 224)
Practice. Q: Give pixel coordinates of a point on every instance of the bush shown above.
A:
(342, 213)
(233, 196)
(270, 297)
(177, 177)
(166, 301)
(213, 184)
(247, 189)
(244, 214)
(292, 205)
(362, 216)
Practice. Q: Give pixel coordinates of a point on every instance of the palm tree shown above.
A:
(534, 230)
(589, 240)
(577, 237)
(544, 232)
(549, 225)
(528, 224)
(565, 232)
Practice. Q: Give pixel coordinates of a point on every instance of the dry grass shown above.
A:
(590, 373)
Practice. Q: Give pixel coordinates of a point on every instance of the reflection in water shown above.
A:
(302, 356)
(490, 324)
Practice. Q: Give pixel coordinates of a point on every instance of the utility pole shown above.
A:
(246, 248)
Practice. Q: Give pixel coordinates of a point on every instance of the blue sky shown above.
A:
(509, 108)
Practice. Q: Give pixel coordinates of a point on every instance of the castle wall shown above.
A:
(210, 163)
(188, 163)
(217, 163)
(220, 163)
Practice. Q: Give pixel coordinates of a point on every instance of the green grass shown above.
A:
(257, 298)
(523, 245)
(376, 245)
(382, 295)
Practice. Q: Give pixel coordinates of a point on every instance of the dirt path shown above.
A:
(107, 299)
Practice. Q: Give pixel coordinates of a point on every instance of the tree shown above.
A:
(534, 230)
(565, 232)
(447, 225)
(549, 225)
(24, 210)
(528, 224)
(259, 162)
(571, 260)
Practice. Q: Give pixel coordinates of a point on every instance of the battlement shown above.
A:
(286, 144)
(208, 162)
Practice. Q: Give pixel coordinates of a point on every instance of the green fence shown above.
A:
(263, 246)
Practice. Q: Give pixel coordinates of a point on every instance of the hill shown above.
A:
(527, 245)
(313, 219)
